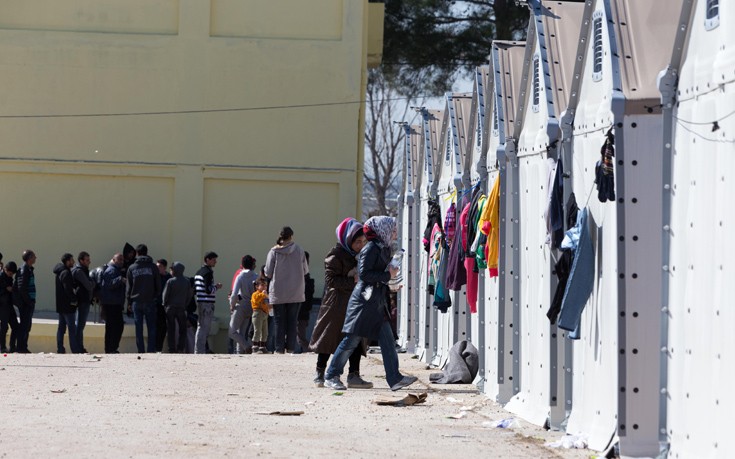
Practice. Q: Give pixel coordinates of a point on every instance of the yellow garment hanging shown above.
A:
(489, 224)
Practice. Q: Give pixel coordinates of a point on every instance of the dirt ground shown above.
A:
(162, 405)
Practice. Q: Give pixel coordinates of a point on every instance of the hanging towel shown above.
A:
(581, 276)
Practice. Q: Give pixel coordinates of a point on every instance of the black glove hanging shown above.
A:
(605, 170)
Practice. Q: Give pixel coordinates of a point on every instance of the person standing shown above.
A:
(112, 299)
(177, 293)
(368, 315)
(286, 268)
(161, 317)
(84, 290)
(259, 303)
(340, 278)
(305, 311)
(66, 305)
(24, 297)
(241, 311)
(143, 287)
(206, 291)
(7, 311)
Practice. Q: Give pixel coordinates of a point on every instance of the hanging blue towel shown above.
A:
(581, 277)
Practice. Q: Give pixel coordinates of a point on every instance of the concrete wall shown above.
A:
(287, 150)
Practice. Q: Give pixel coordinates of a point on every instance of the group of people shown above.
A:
(269, 310)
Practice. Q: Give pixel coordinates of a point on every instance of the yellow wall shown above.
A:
(182, 183)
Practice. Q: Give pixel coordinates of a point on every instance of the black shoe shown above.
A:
(3, 349)
(61, 351)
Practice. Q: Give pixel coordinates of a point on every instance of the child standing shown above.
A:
(259, 301)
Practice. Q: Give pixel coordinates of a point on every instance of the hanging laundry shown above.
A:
(581, 276)
(564, 265)
(433, 217)
(438, 269)
(605, 170)
(555, 211)
(478, 246)
(450, 223)
(456, 274)
(489, 226)
(468, 235)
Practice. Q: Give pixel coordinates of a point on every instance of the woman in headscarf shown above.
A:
(286, 267)
(340, 277)
(368, 314)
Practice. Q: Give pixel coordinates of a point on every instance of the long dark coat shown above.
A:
(338, 287)
(365, 316)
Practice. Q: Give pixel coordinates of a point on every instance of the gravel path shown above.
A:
(162, 405)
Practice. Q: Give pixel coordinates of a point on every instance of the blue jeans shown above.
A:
(145, 310)
(82, 314)
(286, 320)
(387, 349)
(67, 320)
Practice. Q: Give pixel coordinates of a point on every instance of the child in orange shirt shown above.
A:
(259, 301)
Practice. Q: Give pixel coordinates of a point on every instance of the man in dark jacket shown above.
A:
(112, 299)
(84, 290)
(7, 311)
(161, 321)
(176, 296)
(24, 297)
(66, 304)
(144, 286)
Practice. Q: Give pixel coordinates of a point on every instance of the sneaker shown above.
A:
(256, 349)
(264, 350)
(319, 378)
(405, 382)
(334, 383)
(248, 350)
(354, 381)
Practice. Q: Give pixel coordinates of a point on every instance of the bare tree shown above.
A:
(384, 145)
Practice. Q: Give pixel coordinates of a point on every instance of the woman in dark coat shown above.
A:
(340, 275)
(368, 315)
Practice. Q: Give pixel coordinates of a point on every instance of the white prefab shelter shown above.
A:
(497, 301)
(698, 92)
(549, 60)
(410, 236)
(476, 174)
(432, 127)
(616, 383)
(454, 180)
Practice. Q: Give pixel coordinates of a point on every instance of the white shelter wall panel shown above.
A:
(404, 296)
(594, 399)
(643, 241)
(532, 401)
(595, 97)
(701, 342)
(533, 137)
(490, 303)
(710, 57)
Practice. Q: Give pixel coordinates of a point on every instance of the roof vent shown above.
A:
(712, 16)
(597, 46)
